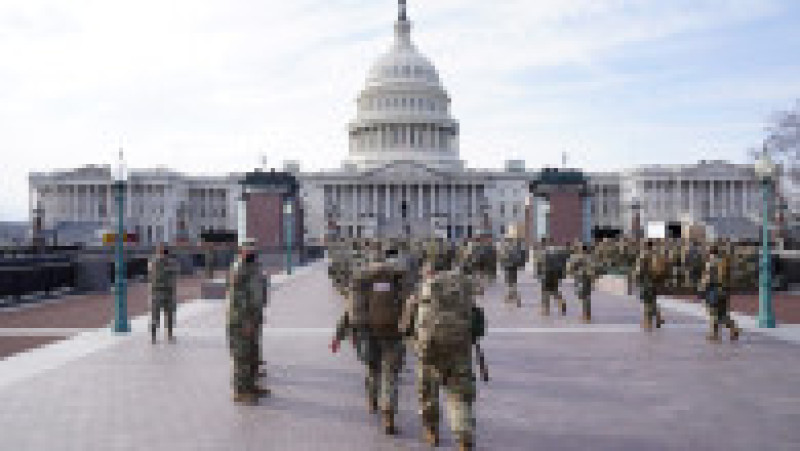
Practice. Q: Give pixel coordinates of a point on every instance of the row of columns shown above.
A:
(387, 136)
(734, 196)
(422, 200)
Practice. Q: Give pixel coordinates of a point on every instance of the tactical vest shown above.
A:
(161, 280)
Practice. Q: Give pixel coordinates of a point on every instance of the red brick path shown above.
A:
(81, 311)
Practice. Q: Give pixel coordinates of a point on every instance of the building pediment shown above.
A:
(405, 171)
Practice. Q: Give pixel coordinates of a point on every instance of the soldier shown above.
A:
(715, 287)
(163, 276)
(442, 318)
(246, 298)
(584, 271)
(650, 272)
(551, 269)
(513, 256)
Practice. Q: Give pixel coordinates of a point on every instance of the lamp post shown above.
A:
(765, 170)
(121, 325)
(288, 222)
(636, 218)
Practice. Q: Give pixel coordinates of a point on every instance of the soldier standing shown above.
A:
(441, 317)
(246, 292)
(650, 273)
(513, 256)
(163, 276)
(715, 287)
(551, 269)
(584, 271)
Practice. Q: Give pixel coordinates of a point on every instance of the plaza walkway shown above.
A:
(556, 384)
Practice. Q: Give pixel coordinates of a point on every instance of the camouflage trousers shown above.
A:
(511, 284)
(548, 291)
(454, 374)
(245, 356)
(651, 313)
(583, 288)
(384, 362)
(160, 304)
(719, 313)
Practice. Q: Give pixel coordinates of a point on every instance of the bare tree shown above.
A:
(783, 141)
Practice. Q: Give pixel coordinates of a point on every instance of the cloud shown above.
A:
(209, 85)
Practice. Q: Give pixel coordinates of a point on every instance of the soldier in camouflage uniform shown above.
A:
(513, 256)
(163, 276)
(650, 273)
(715, 288)
(584, 271)
(441, 319)
(551, 268)
(246, 293)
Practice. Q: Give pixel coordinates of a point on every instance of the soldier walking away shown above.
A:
(163, 276)
(208, 261)
(441, 316)
(584, 271)
(378, 296)
(513, 256)
(650, 273)
(551, 269)
(246, 297)
(715, 288)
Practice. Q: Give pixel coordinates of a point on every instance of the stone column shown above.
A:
(745, 198)
(386, 200)
(691, 199)
(711, 205)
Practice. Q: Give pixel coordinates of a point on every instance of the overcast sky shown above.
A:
(210, 85)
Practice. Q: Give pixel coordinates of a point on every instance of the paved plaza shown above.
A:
(556, 384)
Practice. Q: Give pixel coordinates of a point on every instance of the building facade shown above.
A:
(403, 176)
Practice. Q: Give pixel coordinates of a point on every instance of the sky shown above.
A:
(211, 86)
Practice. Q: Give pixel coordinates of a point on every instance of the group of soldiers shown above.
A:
(423, 294)
(402, 292)
(247, 296)
(709, 271)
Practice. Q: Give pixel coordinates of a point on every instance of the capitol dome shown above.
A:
(403, 111)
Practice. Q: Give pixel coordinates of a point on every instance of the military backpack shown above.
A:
(445, 322)
(376, 299)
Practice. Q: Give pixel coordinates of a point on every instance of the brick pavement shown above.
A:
(556, 384)
(786, 305)
(79, 311)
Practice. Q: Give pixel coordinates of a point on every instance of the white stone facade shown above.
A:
(403, 175)
(155, 200)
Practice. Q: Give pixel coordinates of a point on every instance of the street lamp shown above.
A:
(765, 170)
(121, 324)
(288, 223)
(636, 218)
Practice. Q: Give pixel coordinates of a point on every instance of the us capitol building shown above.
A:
(403, 176)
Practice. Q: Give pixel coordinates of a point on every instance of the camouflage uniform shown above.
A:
(650, 283)
(551, 268)
(715, 287)
(452, 370)
(163, 276)
(383, 283)
(246, 298)
(584, 271)
(513, 256)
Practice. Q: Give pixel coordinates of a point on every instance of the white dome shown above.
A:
(403, 63)
(403, 111)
